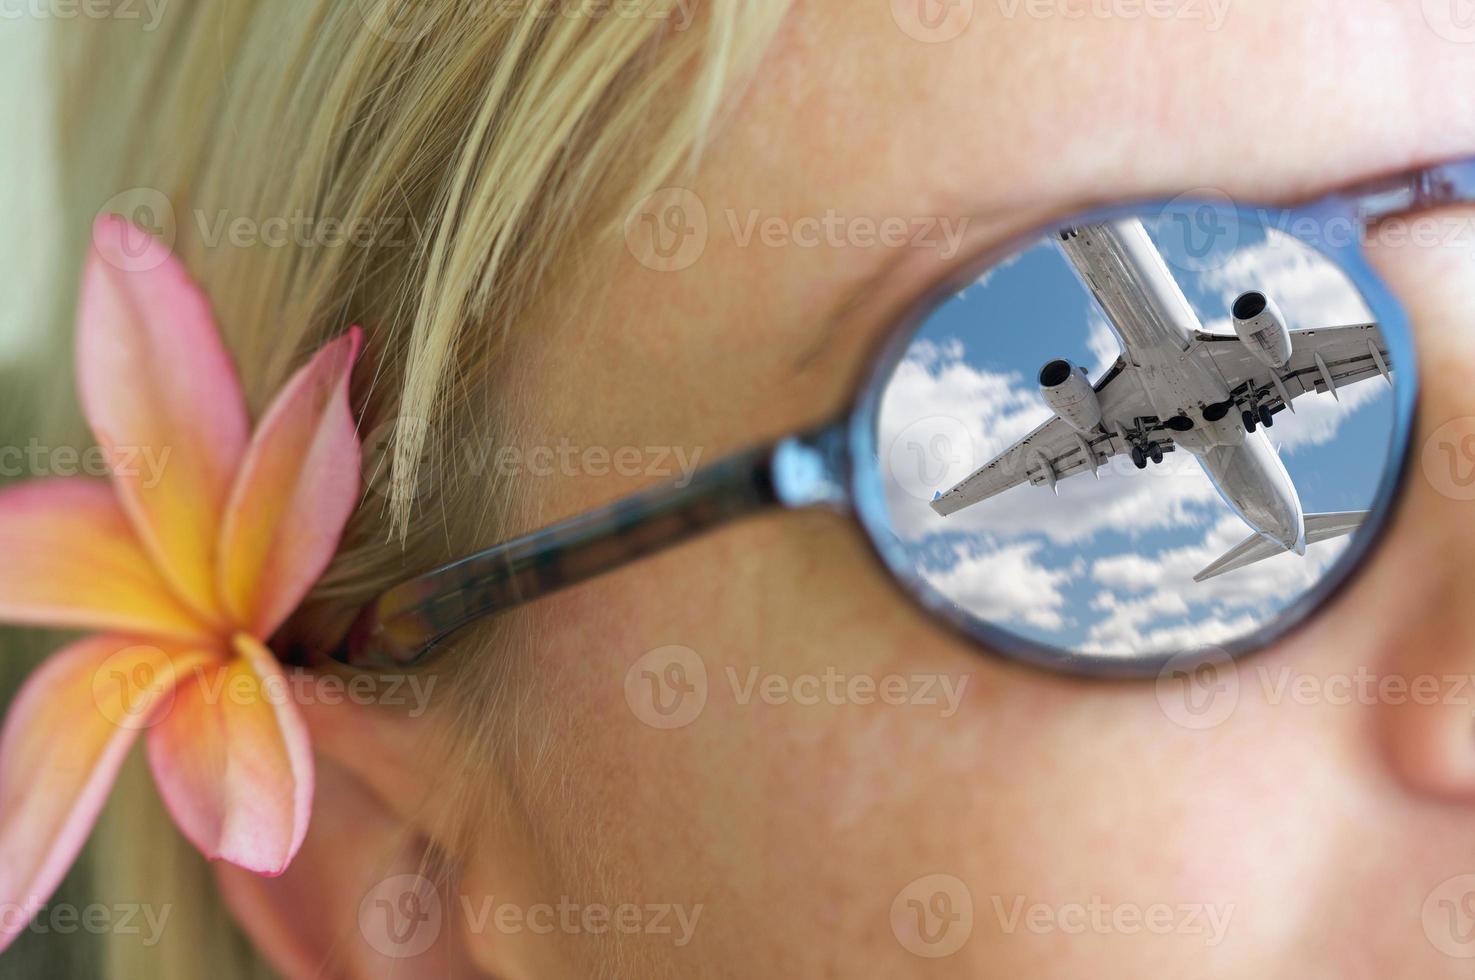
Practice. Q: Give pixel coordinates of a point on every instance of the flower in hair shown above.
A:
(202, 540)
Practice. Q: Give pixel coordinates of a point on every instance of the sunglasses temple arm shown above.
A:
(404, 624)
(1442, 185)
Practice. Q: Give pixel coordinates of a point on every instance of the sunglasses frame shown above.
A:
(837, 467)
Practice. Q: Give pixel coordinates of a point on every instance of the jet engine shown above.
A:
(1262, 329)
(1068, 391)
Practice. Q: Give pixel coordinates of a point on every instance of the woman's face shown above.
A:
(798, 823)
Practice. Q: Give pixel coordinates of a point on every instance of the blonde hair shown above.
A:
(476, 155)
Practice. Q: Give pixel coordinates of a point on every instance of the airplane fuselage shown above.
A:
(1157, 328)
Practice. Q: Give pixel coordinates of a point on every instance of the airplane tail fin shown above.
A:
(1319, 527)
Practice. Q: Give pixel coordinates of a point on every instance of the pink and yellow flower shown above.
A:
(183, 570)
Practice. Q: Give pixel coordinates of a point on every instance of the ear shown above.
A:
(357, 901)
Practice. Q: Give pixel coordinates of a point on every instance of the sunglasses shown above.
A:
(1147, 434)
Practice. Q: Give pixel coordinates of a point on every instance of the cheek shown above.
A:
(705, 706)
(793, 705)
(820, 702)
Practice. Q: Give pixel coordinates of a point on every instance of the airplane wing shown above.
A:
(1055, 450)
(1325, 359)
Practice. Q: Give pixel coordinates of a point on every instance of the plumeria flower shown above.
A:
(183, 573)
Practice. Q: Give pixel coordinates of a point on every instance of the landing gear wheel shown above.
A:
(1249, 420)
(1155, 453)
(1139, 457)
(1266, 419)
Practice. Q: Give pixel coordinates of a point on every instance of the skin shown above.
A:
(1318, 830)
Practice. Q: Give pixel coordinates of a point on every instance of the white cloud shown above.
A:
(1141, 593)
(1309, 289)
(1006, 584)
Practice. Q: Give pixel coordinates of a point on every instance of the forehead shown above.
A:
(1030, 99)
(875, 147)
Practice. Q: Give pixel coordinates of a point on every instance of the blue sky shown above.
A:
(1108, 565)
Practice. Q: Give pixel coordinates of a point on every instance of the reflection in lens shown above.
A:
(1146, 436)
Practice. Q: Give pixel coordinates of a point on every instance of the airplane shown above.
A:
(1177, 386)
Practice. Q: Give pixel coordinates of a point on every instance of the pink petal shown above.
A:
(234, 764)
(65, 737)
(69, 558)
(297, 487)
(163, 400)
